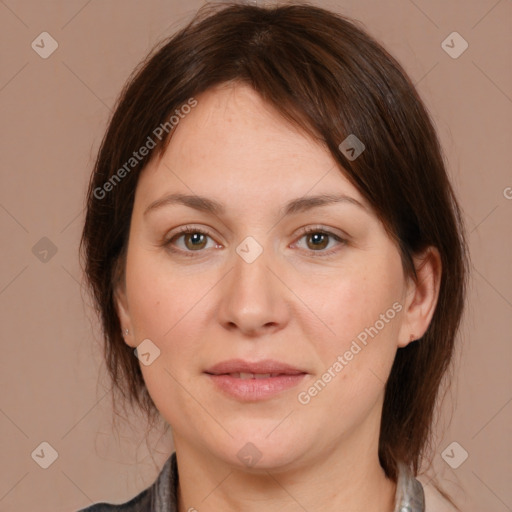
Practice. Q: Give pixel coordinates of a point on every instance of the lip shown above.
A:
(225, 376)
(264, 366)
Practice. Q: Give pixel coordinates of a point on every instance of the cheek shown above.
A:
(163, 309)
(363, 300)
(361, 316)
(159, 299)
(169, 307)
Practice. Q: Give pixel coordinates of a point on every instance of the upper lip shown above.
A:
(257, 367)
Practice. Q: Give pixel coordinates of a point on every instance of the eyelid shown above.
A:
(342, 239)
(319, 228)
(183, 230)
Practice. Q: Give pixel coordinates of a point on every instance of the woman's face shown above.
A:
(331, 305)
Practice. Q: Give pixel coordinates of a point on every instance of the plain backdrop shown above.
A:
(53, 113)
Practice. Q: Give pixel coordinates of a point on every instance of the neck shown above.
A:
(347, 477)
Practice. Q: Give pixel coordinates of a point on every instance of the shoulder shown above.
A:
(140, 503)
(434, 501)
(160, 496)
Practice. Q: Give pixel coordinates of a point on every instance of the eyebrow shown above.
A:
(294, 206)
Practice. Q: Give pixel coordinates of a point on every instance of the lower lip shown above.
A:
(255, 389)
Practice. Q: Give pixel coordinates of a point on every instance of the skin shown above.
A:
(291, 304)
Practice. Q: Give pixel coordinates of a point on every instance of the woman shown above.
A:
(270, 230)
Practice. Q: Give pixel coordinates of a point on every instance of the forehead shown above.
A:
(233, 141)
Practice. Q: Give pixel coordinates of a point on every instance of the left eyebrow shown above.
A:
(294, 206)
(308, 202)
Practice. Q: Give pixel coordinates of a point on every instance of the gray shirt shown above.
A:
(161, 496)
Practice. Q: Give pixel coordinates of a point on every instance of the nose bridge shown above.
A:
(252, 298)
(250, 281)
(251, 266)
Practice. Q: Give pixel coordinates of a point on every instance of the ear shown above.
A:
(421, 296)
(123, 312)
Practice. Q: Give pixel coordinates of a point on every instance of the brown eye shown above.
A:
(319, 240)
(189, 240)
(194, 241)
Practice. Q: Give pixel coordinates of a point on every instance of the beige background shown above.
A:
(53, 115)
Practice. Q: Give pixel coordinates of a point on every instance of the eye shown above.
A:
(317, 239)
(194, 240)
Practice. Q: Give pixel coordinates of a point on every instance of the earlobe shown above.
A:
(124, 315)
(422, 296)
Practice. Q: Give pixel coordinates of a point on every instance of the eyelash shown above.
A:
(303, 232)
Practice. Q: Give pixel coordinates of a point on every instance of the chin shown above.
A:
(253, 452)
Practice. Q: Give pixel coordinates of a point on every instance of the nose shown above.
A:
(254, 300)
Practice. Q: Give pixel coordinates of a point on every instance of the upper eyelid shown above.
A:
(183, 230)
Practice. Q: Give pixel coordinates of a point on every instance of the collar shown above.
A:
(409, 495)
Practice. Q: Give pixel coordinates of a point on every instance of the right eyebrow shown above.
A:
(200, 203)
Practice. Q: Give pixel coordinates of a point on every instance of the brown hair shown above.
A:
(328, 77)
